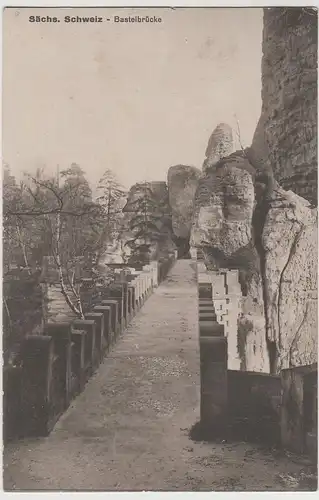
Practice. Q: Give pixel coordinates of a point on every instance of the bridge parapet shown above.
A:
(56, 364)
(235, 403)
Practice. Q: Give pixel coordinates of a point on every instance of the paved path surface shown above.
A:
(129, 429)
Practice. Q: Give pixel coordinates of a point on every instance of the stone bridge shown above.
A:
(134, 425)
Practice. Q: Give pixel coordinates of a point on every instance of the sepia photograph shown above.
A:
(160, 249)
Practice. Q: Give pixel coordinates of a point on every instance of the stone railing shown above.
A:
(282, 407)
(213, 356)
(56, 364)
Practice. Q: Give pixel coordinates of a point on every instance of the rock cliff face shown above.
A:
(287, 130)
(182, 184)
(289, 240)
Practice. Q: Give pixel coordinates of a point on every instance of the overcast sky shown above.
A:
(136, 98)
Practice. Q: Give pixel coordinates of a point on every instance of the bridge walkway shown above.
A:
(129, 429)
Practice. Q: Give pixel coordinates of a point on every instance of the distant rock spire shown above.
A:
(219, 146)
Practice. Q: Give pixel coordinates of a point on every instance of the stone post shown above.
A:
(122, 288)
(140, 290)
(210, 328)
(91, 354)
(37, 354)
(113, 324)
(154, 265)
(146, 275)
(118, 291)
(78, 362)
(138, 294)
(119, 274)
(134, 284)
(294, 419)
(148, 281)
(106, 340)
(101, 338)
(204, 286)
(145, 279)
(193, 253)
(213, 374)
(12, 409)
(131, 302)
(61, 335)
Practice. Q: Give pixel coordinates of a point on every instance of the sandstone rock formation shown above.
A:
(182, 184)
(156, 193)
(219, 145)
(223, 228)
(245, 220)
(253, 210)
(254, 213)
(288, 123)
(116, 252)
(159, 193)
(289, 240)
(224, 207)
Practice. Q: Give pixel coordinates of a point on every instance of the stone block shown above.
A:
(106, 312)
(205, 302)
(139, 294)
(193, 253)
(115, 324)
(211, 329)
(142, 288)
(61, 335)
(312, 445)
(206, 307)
(154, 265)
(254, 401)
(12, 398)
(298, 408)
(205, 291)
(39, 406)
(133, 283)
(78, 360)
(118, 291)
(100, 330)
(125, 294)
(131, 301)
(213, 375)
(91, 354)
(207, 316)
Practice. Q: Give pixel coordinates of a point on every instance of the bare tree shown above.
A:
(65, 215)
